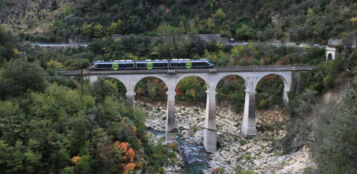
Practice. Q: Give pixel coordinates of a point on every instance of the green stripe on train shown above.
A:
(115, 66)
(149, 65)
(188, 64)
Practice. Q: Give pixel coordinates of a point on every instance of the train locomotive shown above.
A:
(151, 64)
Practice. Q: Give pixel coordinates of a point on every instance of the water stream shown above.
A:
(195, 156)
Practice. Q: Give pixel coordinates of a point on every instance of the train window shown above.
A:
(126, 65)
(159, 65)
(178, 64)
(105, 66)
(196, 64)
(141, 65)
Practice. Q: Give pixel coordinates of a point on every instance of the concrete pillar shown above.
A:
(130, 95)
(298, 82)
(171, 129)
(286, 97)
(92, 79)
(249, 123)
(210, 131)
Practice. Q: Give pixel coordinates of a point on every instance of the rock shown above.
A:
(257, 153)
(216, 170)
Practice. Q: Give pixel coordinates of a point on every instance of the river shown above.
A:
(195, 156)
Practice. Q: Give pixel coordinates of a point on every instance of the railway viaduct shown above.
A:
(250, 74)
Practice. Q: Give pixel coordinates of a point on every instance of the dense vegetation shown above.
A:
(326, 128)
(334, 148)
(50, 124)
(294, 20)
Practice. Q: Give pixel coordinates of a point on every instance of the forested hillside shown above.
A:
(294, 20)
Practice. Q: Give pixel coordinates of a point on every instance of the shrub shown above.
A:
(335, 145)
(21, 76)
(301, 106)
(77, 63)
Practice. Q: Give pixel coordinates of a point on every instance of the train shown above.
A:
(151, 64)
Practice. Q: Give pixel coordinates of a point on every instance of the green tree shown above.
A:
(11, 122)
(105, 88)
(87, 30)
(116, 27)
(98, 30)
(245, 32)
(211, 26)
(6, 45)
(21, 76)
(335, 145)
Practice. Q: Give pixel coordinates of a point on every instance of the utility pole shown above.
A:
(81, 94)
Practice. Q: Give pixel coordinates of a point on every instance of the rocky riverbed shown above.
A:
(262, 154)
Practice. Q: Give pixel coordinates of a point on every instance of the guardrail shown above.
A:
(59, 45)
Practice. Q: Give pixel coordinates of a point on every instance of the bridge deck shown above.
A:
(211, 70)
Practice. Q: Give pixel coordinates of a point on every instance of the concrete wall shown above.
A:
(330, 53)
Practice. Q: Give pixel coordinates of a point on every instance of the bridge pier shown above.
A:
(286, 97)
(91, 79)
(210, 131)
(171, 129)
(130, 95)
(249, 123)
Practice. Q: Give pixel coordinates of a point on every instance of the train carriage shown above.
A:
(151, 64)
(112, 65)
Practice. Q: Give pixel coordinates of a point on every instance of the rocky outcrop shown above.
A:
(261, 154)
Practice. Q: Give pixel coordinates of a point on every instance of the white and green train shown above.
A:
(151, 64)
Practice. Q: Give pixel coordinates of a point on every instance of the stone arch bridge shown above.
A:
(171, 77)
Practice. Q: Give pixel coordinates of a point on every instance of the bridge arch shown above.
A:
(220, 77)
(232, 85)
(102, 78)
(180, 78)
(108, 86)
(202, 82)
(330, 53)
(150, 76)
(146, 85)
(285, 76)
(329, 57)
